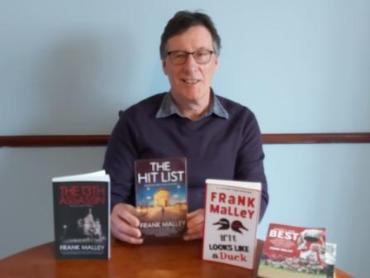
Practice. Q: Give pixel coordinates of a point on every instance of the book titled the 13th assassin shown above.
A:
(81, 216)
(231, 218)
(161, 197)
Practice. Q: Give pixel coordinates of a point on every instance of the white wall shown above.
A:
(302, 66)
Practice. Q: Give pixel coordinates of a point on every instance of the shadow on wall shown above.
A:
(72, 78)
(77, 77)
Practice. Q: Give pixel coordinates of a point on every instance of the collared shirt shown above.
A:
(168, 108)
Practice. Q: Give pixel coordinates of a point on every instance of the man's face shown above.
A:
(191, 82)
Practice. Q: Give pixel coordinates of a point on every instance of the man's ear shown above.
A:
(216, 62)
(164, 66)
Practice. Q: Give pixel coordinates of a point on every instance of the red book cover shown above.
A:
(231, 218)
(293, 251)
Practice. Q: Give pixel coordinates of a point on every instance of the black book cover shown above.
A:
(161, 197)
(81, 216)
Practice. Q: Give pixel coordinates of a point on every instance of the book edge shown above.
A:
(93, 176)
(234, 183)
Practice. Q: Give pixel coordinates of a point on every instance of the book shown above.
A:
(161, 197)
(82, 215)
(330, 259)
(231, 218)
(294, 251)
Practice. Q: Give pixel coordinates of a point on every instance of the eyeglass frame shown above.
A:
(209, 52)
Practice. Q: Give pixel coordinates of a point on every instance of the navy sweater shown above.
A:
(215, 147)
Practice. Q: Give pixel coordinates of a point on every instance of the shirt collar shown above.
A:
(168, 108)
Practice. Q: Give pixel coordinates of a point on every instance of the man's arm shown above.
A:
(119, 164)
(249, 164)
(119, 161)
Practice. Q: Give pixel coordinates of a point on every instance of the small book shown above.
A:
(330, 259)
(161, 197)
(231, 217)
(294, 251)
(82, 215)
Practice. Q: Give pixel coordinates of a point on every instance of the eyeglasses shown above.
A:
(201, 56)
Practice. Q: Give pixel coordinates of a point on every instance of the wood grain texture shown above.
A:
(102, 139)
(174, 259)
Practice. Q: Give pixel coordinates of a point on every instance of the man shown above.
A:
(219, 138)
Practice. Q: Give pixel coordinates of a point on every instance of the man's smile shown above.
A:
(190, 81)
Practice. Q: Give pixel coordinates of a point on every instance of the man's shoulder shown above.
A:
(234, 108)
(240, 115)
(147, 106)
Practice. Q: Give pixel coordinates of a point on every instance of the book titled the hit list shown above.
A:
(161, 197)
(81, 216)
(231, 218)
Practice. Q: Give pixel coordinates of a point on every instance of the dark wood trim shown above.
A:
(53, 140)
(101, 139)
(316, 138)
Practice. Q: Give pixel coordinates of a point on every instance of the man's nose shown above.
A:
(190, 62)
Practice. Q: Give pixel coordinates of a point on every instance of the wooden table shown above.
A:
(175, 259)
